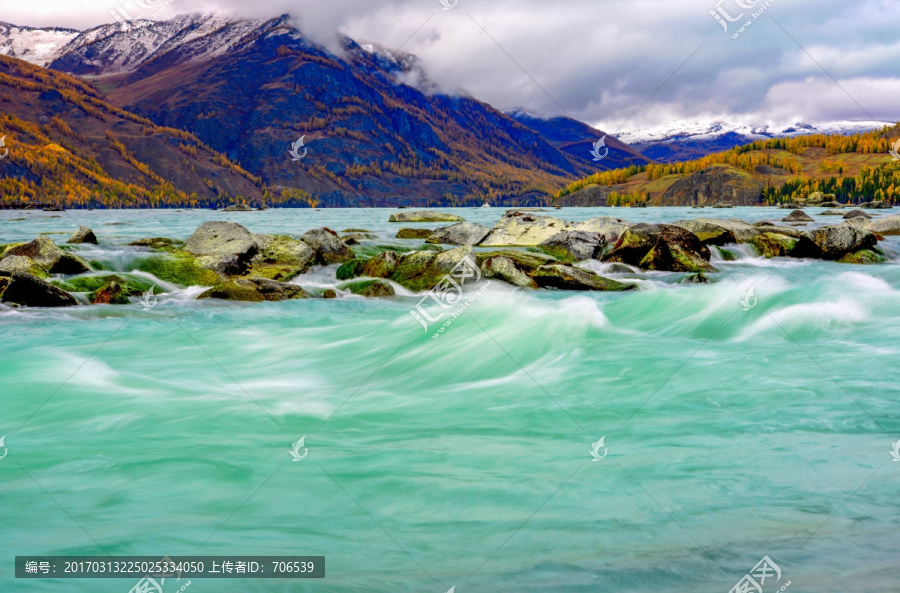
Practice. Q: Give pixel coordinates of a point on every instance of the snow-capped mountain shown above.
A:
(683, 140)
(37, 46)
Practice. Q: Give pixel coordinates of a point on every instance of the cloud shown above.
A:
(619, 64)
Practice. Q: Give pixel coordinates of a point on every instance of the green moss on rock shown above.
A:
(351, 269)
(179, 268)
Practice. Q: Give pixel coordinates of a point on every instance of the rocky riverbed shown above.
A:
(523, 249)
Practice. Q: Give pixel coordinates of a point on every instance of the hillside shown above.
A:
(854, 169)
(69, 147)
(250, 89)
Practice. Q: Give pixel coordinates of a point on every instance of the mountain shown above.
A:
(375, 129)
(37, 46)
(69, 147)
(576, 139)
(845, 168)
(684, 140)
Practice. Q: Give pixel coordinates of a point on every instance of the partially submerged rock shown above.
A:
(29, 291)
(156, 242)
(463, 233)
(223, 247)
(772, 244)
(238, 208)
(20, 263)
(280, 257)
(889, 225)
(863, 257)
(833, 213)
(661, 247)
(370, 288)
(110, 294)
(708, 232)
(407, 233)
(255, 290)
(83, 235)
(425, 216)
(568, 277)
(876, 205)
(503, 268)
(329, 247)
(797, 216)
(856, 214)
(50, 257)
(836, 241)
(517, 228)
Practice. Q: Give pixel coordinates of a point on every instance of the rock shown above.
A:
(709, 233)
(50, 257)
(797, 216)
(357, 237)
(464, 233)
(255, 290)
(785, 230)
(181, 268)
(876, 205)
(839, 240)
(155, 242)
(722, 205)
(764, 223)
(329, 294)
(356, 231)
(832, 213)
(411, 271)
(351, 269)
(349, 240)
(280, 257)
(889, 225)
(856, 214)
(741, 231)
(523, 260)
(567, 277)
(425, 216)
(698, 278)
(83, 235)
(522, 229)
(503, 268)
(370, 288)
(406, 233)
(574, 245)
(20, 263)
(423, 270)
(863, 256)
(772, 245)
(328, 246)
(223, 247)
(608, 227)
(830, 204)
(238, 208)
(382, 265)
(446, 261)
(661, 247)
(27, 290)
(263, 207)
(110, 294)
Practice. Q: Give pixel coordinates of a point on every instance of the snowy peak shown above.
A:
(37, 46)
(687, 131)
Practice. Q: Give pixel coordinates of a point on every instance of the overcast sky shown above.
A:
(617, 64)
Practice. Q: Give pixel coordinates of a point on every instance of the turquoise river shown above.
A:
(738, 424)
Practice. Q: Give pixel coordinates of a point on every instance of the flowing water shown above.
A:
(462, 460)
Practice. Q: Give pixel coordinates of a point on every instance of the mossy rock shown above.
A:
(110, 294)
(526, 261)
(351, 269)
(255, 290)
(370, 288)
(133, 285)
(415, 273)
(772, 245)
(21, 263)
(179, 268)
(414, 233)
(726, 254)
(863, 257)
(281, 257)
(156, 243)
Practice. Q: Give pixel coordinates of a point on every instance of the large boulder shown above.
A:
(463, 233)
(423, 270)
(224, 247)
(856, 214)
(772, 244)
(574, 245)
(412, 270)
(661, 247)
(836, 241)
(27, 290)
(280, 257)
(20, 263)
(382, 265)
(876, 205)
(518, 228)
(329, 247)
(503, 268)
(889, 225)
(425, 216)
(709, 233)
(255, 290)
(50, 257)
(567, 277)
(608, 227)
(740, 230)
(83, 235)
